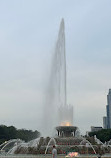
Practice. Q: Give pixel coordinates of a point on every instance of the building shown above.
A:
(95, 129)
(108, 116)
(107, 119)
(108, 107)
(105, 122)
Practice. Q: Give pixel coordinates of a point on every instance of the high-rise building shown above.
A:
(105, 122)
(107, 119)
(95, 129)
(109, 109)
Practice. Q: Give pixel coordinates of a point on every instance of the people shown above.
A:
(54, 152)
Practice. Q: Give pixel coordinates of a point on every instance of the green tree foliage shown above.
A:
(7, 133)
(103, 135)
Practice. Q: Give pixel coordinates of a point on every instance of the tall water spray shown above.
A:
(56, 101)
(60, 65)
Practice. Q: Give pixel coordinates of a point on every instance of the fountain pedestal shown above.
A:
(66, 131)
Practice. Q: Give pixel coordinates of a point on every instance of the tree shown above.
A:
(103, 135)
(7, 133)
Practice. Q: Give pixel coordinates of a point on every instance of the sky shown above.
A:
(28, 33)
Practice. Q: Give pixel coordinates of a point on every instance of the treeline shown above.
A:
(10, 132)
(103, 135)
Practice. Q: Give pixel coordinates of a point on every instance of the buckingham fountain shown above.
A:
(67, 138)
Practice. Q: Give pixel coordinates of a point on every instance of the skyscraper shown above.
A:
(109, 109)
(108, 116)
(107, 120)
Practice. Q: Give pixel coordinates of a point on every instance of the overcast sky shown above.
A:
(28, 32)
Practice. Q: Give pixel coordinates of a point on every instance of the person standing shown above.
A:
(54, 152)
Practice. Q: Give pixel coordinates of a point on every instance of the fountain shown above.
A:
(67, 140)
(56, 99)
